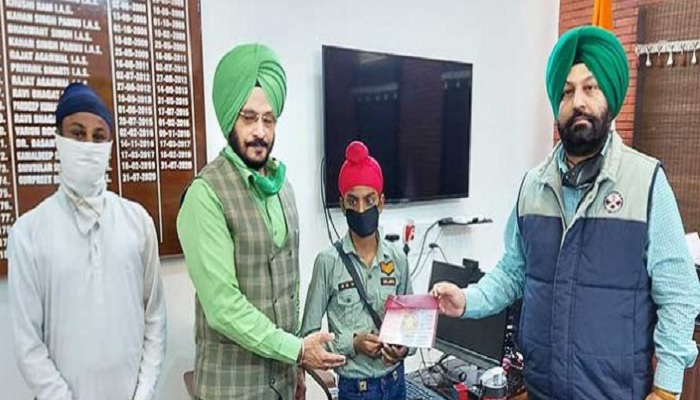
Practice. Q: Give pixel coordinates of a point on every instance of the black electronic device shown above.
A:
(470, 265)
(480, 342)
(413, 113)
(445, 377)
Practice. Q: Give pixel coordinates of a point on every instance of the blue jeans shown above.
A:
(391, 386)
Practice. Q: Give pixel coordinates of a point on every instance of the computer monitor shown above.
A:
(477, 341)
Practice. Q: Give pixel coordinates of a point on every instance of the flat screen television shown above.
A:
(413, 113)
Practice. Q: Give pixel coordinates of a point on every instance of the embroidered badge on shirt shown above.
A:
(346, 285)
(613, 202)
(387, 267)
(388, 281)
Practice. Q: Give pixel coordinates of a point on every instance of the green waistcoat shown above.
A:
(268, 277)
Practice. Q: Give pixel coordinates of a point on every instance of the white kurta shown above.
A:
(88, 310)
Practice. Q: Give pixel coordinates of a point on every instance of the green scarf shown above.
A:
(237, 74)
(601, 52)
(270, 184)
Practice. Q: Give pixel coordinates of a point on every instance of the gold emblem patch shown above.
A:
(387, 267)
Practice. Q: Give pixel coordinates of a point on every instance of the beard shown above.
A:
(584, 140)
(256, 165)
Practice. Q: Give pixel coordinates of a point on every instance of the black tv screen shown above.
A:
(413, 113)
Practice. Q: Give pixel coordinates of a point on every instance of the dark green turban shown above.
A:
(601, 52)
(238, 73)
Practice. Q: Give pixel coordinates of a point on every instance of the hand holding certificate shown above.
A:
(410, 320)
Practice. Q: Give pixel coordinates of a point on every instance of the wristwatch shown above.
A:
(664, 394)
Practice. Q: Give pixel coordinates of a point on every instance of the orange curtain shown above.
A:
(602, 14)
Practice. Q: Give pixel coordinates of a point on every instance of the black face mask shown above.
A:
(364, 223)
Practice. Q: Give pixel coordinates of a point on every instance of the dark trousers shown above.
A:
(391, 386)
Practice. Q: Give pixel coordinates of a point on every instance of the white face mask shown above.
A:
(83, 165)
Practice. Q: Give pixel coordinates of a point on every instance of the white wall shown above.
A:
(507, 41)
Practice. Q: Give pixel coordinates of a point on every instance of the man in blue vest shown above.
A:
(595, 248)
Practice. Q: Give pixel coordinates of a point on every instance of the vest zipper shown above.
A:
(561, 245)
(565, 229)
(562, 216)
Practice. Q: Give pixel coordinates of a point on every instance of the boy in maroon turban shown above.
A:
(362, 258)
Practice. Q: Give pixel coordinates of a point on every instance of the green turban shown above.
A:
(238, 73)
(601, 52)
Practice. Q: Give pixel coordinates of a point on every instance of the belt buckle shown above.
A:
(362, 385)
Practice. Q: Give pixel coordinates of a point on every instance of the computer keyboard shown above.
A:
(423, 384)
(416, 391)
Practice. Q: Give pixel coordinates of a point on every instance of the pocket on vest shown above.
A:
(603, 323)
(602, 377)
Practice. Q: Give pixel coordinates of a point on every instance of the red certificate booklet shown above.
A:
(410, 321)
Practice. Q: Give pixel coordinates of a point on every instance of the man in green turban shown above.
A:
(593, 59)
(594, 248)
(239, 231)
